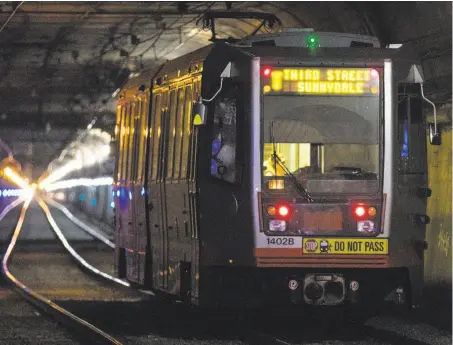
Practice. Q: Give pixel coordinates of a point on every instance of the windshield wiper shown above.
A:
(293, 178)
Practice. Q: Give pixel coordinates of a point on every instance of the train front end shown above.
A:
(325, 181)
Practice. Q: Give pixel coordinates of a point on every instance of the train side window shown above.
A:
(170, 135)
(127, 131)
(186, 129)
(130, 152)
(411, 130)
(224, 164)
(193, 140)
(155, 133)
(163, 140)
(143, 125)
(122, 131)
(135, 138)
(178, 133)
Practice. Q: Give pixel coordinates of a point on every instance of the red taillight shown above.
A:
(283, 211)
(267, 72)
(359, 211)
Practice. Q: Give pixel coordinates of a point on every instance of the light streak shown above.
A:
(14, 177)
(100, 181)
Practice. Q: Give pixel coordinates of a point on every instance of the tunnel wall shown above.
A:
(96, 202)
(438, 257)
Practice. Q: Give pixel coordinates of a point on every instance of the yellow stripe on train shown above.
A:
(359, 246)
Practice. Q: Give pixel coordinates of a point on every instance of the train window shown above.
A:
(411, 130)
(186, 129)
(127, 131)
(155, 135)
(178, 133)
(193, 142)
(130, 151)
(224, 139)
(143, 136)
(122, 131)
(159, 140)
(136, 137)
(170, 140)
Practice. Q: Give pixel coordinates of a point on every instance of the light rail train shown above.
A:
(285, 168)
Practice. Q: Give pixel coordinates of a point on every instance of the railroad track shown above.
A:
(82, 328)
(251, 335)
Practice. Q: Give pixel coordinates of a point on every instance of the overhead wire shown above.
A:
(11, 16)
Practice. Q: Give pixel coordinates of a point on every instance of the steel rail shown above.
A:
(146, 292)
(44, 304)
(71, 250)
(80, 224)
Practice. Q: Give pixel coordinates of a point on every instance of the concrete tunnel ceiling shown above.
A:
(60, 62)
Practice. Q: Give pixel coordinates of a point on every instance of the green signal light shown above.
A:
(312, 42)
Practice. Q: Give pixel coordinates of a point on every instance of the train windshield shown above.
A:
(329, 143)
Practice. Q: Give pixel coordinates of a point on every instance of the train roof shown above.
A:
(320, 54)
(299, 37)
(192, 62)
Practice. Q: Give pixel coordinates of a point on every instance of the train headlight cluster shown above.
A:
(280, 211)
(362, 211)
(363, 214)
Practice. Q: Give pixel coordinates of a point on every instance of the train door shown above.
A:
(222, 191)
(411, 196)
(177, 193)
(119, 237)
(139, 188)
(191, 172)
(158, 115)
(130, 253)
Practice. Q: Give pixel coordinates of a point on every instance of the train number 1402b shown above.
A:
(281, 241)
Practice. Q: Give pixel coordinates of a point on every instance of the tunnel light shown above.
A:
(106, 150)
(5, 193)
(90, 149)
(14, 177)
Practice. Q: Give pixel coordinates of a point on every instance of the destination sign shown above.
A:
(321, 81)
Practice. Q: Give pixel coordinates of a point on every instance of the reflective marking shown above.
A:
(354, 246)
